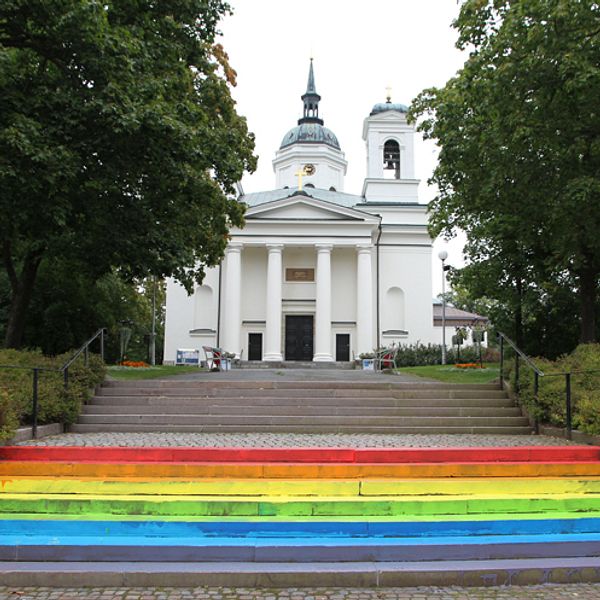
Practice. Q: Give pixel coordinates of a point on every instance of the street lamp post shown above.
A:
(153, 333)
(443, 255)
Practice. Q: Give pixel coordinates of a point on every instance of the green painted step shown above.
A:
(294, 506)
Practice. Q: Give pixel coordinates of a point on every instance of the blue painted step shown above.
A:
(296, 529)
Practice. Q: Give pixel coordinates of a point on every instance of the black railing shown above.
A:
(537, 374)
(85, 350)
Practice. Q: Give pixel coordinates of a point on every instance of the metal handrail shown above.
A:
(504, 337)
(536, 381)
(64, 370)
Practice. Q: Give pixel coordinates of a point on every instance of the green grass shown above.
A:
(117, 372)
(450, 374)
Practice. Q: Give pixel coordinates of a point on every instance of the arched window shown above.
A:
(391, 158)
(393, 309)
(203, 308)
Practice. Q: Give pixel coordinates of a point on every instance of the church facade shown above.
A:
(318, 274)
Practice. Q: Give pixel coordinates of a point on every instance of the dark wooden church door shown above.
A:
(298, 337)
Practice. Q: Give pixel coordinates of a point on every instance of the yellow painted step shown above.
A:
(306, 487)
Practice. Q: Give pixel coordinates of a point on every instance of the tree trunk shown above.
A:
(22, 291)
(587, 305)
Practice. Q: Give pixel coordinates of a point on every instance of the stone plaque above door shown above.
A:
(295, 274)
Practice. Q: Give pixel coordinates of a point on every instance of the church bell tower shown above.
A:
(390, 155)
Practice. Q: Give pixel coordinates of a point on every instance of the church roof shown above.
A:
(310, 133)
(387, 106)
(340, 198)
(453, 315)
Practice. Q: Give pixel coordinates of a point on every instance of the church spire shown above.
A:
(311, 100)
(310, 87)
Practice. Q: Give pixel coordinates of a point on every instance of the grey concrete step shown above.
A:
(296, 401)
(301, 406)
(305, 420)
(221, 428)
(303, 393)
(290, 385)
(500, 572)
(210, 409)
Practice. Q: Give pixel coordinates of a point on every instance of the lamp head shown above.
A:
(442, 255)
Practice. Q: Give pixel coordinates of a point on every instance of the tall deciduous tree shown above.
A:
(119, 140)
(519, 131)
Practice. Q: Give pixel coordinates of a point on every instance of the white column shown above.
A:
(323, 308)
(273, 303)
(364, 300)
(232, 318)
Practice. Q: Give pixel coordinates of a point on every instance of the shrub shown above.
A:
(55, 404)
(550, 406)
(420, 355)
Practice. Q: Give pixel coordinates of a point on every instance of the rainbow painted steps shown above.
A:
(147, 516)
(296, 406)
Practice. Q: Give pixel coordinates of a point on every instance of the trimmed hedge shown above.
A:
(55, 404)
(551, 404)
(421, 355)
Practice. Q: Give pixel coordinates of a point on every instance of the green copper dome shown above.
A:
(385, 106)
(310, 133)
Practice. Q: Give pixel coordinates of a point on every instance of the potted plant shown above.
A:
(367, 361)
(226, 360)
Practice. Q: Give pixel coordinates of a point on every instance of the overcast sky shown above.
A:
(359, 49)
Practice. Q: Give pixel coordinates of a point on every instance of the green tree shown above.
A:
(68, 305)
(519, 129)
(119, 141)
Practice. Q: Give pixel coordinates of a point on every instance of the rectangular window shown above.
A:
(299, 274)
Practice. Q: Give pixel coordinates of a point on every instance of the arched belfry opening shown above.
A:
(391, 159)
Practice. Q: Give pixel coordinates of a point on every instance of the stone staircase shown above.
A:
(301, 407)
(292, 517)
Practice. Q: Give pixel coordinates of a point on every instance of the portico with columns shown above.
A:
(326, 278)
(317, 274)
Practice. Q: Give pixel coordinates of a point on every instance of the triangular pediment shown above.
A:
(303, 208)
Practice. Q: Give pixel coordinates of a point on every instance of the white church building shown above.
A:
(318, 274)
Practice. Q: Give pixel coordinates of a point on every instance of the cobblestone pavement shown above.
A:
(536, 592)
(294, 440)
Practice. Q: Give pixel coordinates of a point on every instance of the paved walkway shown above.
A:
(537, 592)
(294, 440)
(293, 374)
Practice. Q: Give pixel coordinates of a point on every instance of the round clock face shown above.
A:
(310, 169)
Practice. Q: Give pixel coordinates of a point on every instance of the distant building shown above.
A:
(318, 274)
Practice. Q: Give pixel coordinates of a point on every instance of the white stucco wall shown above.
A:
(409, 269)
(330, 166)
(185, 313)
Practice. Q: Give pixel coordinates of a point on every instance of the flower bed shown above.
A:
(469, 366)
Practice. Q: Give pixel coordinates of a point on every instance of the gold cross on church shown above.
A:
(300, 174)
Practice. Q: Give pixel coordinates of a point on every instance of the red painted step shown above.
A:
(303, 455)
